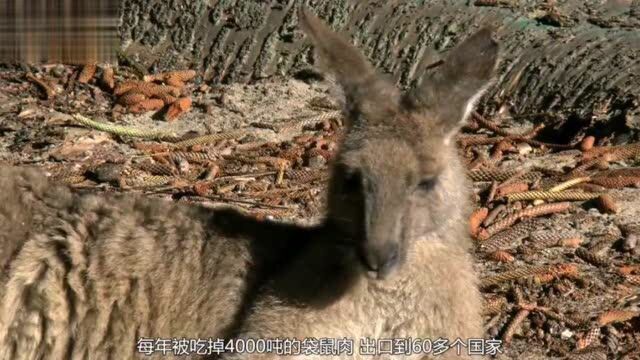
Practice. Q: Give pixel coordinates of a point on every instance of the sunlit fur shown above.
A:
(84, 276)
(397, 183)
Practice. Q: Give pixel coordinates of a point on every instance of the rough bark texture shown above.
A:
(579, 60)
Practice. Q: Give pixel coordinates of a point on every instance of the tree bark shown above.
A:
(579, 60)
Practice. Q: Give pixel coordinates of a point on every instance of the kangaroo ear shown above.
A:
(449, 93)
(364, 90)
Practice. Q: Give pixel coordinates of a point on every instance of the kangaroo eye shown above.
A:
(428, 183)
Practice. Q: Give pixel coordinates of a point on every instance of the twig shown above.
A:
(247, 202)
(526, 137)
(493, 214)
(492, 192)
(124, 130)
(569, 183)
(48, 90)
(514, 325)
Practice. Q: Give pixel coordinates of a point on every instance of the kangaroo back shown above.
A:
(86, 276)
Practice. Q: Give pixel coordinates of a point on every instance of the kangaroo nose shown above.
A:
(381, 260)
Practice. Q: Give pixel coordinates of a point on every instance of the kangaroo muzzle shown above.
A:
(382, 259)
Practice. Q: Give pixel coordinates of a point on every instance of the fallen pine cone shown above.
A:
(501, 256)
(87, 73)
(494, 305)
(629, 269)
(476, 218)
(633, 279)
(553, 238)
(616, 316)
(124, 86)
(178, 108)
(504, 190)
(146, 88)
(174, 78)
(178, 78)
(534, 211)
(304, 175)
(146, 105)
(131, 98)
(557, 270)
(108, 78)
(591, 257)
(606, 204)
(483, 174)
(150, 146)
(167, 98)
(587, 143)
(631, 171)
(589, 338)
(571, 195)
(505, 238)
(543, 279)
(572, 242)
(616, 182)
(614, 153)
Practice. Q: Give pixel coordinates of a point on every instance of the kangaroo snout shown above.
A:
(381, 259)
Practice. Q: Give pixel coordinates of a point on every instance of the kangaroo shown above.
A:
(87, 275)
(399, 190)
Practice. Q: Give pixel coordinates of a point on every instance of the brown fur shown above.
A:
(398, 187)
(86, 275)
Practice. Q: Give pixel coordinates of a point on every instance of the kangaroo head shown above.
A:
(396, 144)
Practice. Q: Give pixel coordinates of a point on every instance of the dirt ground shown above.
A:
(561, 278)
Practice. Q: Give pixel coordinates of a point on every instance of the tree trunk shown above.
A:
(579, 60)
